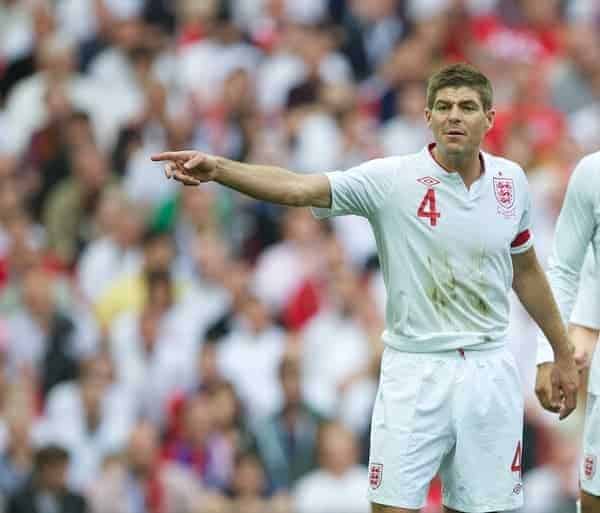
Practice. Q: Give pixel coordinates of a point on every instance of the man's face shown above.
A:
(54, 475)
(458, 120)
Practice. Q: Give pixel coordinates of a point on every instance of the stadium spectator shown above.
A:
(249, 491)
(42, 337)
(69, 212)
(249, 358)
(16, 459)
(116, 251)
(337, 352)
(287, 273)
(129, 293)
(152, 353)
(91, 417)
(199, 446)
(142, 483)
(336, 484)
(47, 490)
(287, 441)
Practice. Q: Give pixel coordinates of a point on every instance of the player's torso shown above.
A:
(447, 249)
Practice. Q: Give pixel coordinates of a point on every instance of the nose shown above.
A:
(455, 113)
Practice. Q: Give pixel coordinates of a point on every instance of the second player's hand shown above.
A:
(557, 384)
(585, 340)
(188, 167)
(566, 378)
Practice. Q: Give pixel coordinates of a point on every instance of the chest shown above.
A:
(446, 214)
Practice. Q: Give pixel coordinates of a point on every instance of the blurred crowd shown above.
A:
(189, 350)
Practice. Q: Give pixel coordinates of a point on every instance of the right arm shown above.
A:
(267, 183)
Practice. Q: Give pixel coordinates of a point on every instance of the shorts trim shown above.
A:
(395, 503)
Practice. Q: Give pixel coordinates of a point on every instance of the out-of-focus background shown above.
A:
(188, 350)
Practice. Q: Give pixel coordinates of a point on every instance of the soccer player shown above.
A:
(577, 229)
(452, 229)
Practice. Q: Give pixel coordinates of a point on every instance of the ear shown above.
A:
(490, 116)
(428, 117)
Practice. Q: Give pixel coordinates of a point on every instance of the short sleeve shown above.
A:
(361, 190)
(524, 239)
(586, 311)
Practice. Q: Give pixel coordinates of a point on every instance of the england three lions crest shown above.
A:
(505, 192)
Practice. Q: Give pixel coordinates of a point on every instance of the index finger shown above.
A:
(172, 155)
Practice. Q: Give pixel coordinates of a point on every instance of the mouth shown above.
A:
(455, 133)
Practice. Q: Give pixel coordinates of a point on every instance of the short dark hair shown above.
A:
(49, 455)
(152, 235)
(460, 75)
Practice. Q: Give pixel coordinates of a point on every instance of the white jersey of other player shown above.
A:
(577, 235)
(445, 251)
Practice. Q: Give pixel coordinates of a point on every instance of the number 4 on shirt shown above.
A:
(427, 208)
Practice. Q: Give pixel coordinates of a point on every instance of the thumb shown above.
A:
(195, 161)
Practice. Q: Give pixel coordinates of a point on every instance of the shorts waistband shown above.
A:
(460, 353)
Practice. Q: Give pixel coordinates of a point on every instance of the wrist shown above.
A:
(219, 166)
(563, 354)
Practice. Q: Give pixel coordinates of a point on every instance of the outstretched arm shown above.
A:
(267, 183)
(534, 292)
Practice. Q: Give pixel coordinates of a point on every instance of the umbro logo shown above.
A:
(428, 181)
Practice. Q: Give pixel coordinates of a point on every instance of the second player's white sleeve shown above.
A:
(586, 311)
(575, 229)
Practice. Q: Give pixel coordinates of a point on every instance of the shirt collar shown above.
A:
(438, 164)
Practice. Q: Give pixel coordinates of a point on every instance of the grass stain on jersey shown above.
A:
(444, 290)
(448, 289)
(478, 302)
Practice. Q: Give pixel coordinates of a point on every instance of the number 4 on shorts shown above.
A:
(427, 208)
(517, 458)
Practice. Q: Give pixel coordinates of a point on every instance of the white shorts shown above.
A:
(590, 473)
(461, 416)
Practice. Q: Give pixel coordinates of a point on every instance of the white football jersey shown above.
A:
(445, 250)
(577, 235)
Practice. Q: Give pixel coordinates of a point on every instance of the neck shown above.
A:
(467, 165)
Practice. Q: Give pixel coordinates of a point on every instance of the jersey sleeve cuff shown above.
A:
(521, 242)
(322, 212)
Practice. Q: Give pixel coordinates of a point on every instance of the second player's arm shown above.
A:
(575, 229)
